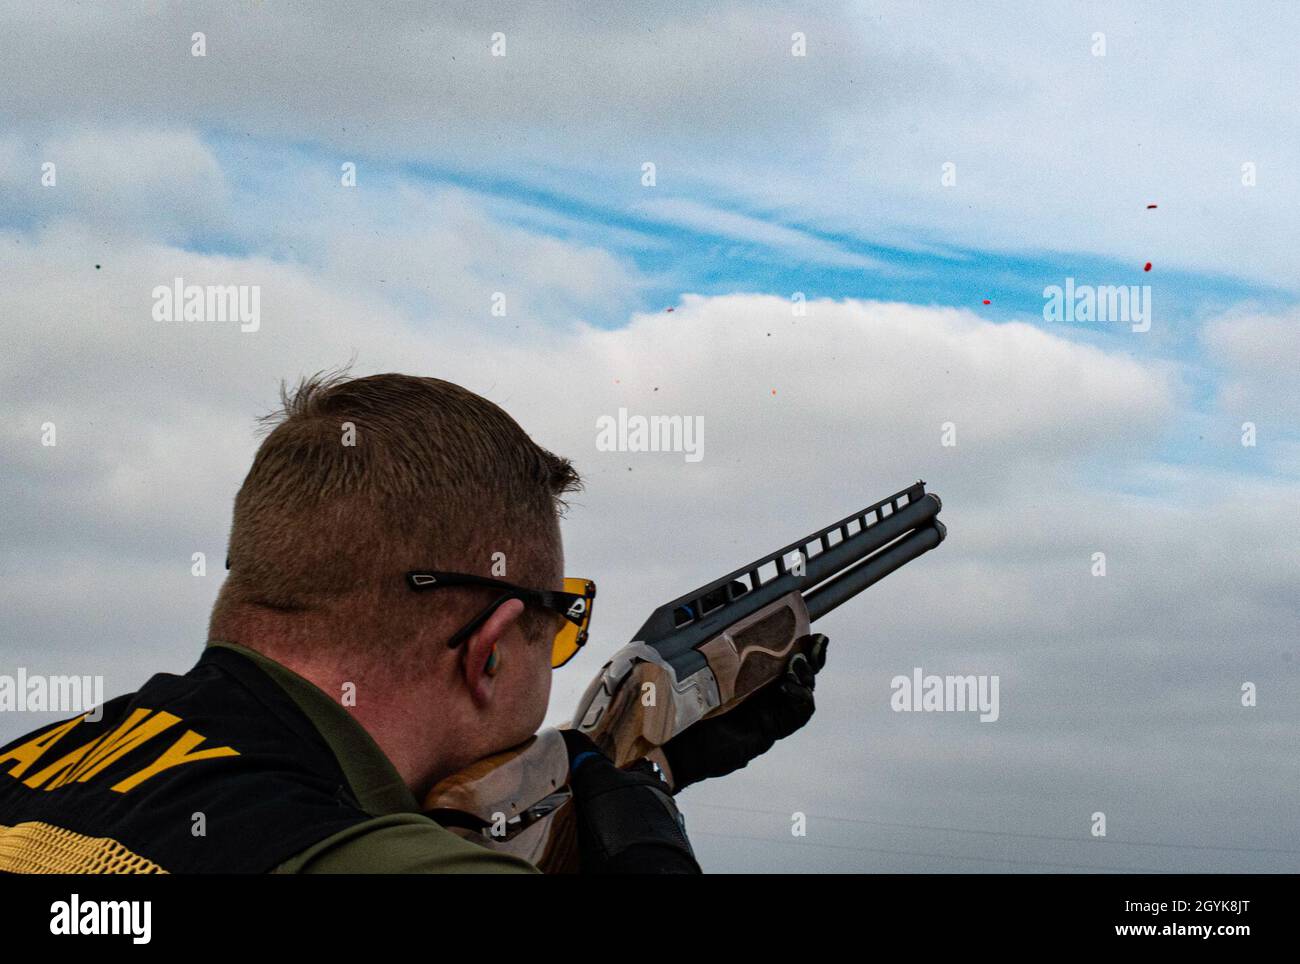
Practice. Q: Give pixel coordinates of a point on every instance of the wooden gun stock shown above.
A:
(516, 802)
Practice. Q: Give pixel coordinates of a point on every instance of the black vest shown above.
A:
(222, 750)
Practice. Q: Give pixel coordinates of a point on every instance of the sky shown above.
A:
(841, 259)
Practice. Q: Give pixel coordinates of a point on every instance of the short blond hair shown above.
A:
(435, 477)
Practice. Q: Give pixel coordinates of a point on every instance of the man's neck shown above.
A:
(393, 712)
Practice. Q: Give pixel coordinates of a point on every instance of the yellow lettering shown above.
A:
(31, 751)
(130, 733)
(63, 770)
(178, 753)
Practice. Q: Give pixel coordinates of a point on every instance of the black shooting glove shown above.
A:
(726, 743)
(627, 820)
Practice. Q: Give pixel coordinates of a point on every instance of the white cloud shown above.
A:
(1260, 354)
(1055, 148)
(164, 184)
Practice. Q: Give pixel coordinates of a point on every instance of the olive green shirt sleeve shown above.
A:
(401, 844)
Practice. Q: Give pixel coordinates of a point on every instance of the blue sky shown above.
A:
(611, 213)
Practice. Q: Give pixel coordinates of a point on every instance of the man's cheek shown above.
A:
(542, 693)
(538, 696)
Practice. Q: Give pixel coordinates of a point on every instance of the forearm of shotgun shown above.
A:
(640, 700)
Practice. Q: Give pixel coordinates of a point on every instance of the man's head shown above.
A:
(361, 480)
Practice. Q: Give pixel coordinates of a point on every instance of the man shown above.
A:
(331, 697)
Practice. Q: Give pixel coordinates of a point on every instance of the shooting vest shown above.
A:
(216, 771)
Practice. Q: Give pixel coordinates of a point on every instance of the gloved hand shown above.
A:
(627, 820)
(723, 744)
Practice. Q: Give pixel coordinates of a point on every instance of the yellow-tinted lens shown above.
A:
(572, 635)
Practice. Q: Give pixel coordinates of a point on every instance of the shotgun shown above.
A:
(695, 657)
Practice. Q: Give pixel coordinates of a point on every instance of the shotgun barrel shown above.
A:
(846, 585)
(843, 550)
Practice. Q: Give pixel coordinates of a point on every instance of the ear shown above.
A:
(477, 650)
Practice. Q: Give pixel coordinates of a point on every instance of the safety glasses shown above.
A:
(573, 605)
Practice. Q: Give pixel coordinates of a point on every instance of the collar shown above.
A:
(372, 777)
